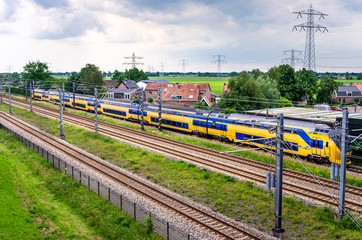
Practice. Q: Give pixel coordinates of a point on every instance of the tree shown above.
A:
(326, 87)
(244, 93)
(91, 77)
(150, 100)
(201, 105)
(269, 88)
(73, 78)
(38, 71)
(233, 74)
(288, 86)
(359, 76)
(255, 73)
(135, 75)
(274, 73)
(118, 76)
(308, 83)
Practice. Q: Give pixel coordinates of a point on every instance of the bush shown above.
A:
(150, 100)
(149, 224)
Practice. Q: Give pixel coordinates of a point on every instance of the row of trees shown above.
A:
(88, 78)
(279, 87)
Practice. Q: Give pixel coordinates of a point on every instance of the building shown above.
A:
(124, 93)
(109, 84)
(126, 89)
(348, 94)
(181, 94)
(143, 83)
(127, 84)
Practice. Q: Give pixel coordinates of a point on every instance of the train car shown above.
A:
(38, 94)
(304, 139)
(175, 120)
(114, 109)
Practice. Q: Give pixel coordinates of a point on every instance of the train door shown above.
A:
(327, 152)
(316, 148)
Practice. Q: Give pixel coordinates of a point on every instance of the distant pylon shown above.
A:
(292, 57)
(184, 62)
(133, 60)
(219, 61)
(309, 26)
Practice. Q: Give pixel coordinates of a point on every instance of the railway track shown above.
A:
(355, 169)
(205, 220)
(207, 157)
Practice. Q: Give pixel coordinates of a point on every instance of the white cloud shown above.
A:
(71, 33)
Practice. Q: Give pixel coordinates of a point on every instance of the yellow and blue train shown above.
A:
(310, 140)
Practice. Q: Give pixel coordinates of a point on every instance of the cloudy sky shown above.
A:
(68, 34)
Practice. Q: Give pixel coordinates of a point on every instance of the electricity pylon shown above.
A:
(310, 27)
(219, 61)
(133, 60)
(292, 57)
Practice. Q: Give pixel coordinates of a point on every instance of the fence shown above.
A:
(163, 228)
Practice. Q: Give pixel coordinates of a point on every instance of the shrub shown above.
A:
(149, 224)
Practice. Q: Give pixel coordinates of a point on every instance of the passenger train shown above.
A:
(310, 140)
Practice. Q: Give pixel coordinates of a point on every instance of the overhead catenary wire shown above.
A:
(324, 188)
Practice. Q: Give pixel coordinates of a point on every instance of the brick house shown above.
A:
(127, 84)
(126, 89)
(347, 94)
(181, 94)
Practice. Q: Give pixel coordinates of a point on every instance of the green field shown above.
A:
(216, 83)
(348, 82)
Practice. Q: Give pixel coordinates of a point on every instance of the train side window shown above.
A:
(327, 144)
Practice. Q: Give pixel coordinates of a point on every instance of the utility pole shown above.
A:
(96, 109)
(63, 99)
(133, 62)
(1, 90)
(31, 99)
(342, 180)
(279, 230)
(61, 114)
(159, 109)
(142, 127)
(73, 95)
(26, 90)
(310, 27)
(184, 62)
(219, 61)
(10, 99)
(292, 57)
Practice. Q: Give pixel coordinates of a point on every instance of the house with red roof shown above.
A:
(181, 94)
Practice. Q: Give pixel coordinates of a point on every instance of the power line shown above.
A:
(292, 57)
(310, 27)
(133, 60)
(219, 61)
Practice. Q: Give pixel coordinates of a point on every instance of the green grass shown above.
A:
(289, 162)
(216, 83)
(37, 202)
(349, 81)
(238, 200)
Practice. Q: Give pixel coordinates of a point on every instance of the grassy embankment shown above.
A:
(238, 200)
(289, 162)
(37, 202)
